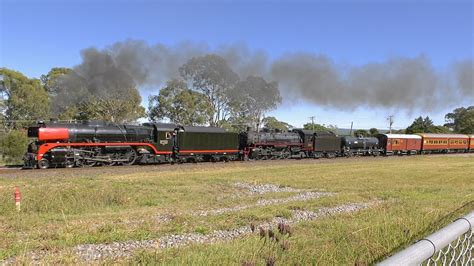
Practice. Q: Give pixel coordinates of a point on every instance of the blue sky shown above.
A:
(38, 35)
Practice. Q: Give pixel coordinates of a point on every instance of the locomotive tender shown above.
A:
(92, 143)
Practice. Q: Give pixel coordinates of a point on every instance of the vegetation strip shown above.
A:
(107, 205)
(95, 252)
(266, 188)
(90, 252)
(265, 202)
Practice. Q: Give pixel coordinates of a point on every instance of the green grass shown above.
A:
(419, 195)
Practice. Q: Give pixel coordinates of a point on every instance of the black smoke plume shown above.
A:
(407, 83)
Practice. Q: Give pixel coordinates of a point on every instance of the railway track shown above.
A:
(14, 172)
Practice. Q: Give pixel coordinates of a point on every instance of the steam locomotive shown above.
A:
(93, 143)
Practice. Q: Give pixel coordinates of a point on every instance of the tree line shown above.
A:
(206, 92)
(460, 120)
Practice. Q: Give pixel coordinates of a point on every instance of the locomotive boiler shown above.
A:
(98, 143)
(90, 131)
(271, 144)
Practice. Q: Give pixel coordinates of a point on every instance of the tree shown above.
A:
(13, 146)
(361, 133)
(373, 132)
(272, 123)
(425, 125)
(420, 125)
(439, 129)
(179, 104)
(114, 109)
(316, 127)
(23, 99)
(86, 93)
(252, 97)
(52, 80)
(235, 124)
(461, 120)
(211, 76)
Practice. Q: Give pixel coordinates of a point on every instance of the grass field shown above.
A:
(408, 198)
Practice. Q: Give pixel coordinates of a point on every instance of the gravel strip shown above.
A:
(265, 202)
(265, 188)
(91, 252)
(97, 252)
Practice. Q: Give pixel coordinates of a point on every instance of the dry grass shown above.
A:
(419, 194)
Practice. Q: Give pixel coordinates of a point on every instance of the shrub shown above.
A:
(13, 145)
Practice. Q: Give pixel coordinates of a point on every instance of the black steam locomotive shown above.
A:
(94, 143)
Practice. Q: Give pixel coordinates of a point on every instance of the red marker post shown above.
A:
(17, 196)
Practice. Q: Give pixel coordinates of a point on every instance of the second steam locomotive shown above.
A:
(94, 143)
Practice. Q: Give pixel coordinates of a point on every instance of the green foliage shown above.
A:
(373, 132)
(24, 100)
(320, 127)
(235, 124)
(461, 120)
(211, 76)
(361, 133)
(315, 127)
(180, 105)
(112, 109)
(51, 81)
(94, 92)
(425, 125)
(76, 98)
(399, 131)
(13, 146)
(252, 97)
(439, 129)
(273, 124)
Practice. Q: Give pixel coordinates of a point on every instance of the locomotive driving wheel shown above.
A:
(69, 163)
(86, 163)
(130, 156)
(43, 164)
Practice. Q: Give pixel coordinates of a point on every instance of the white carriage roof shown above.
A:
(402, 136)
